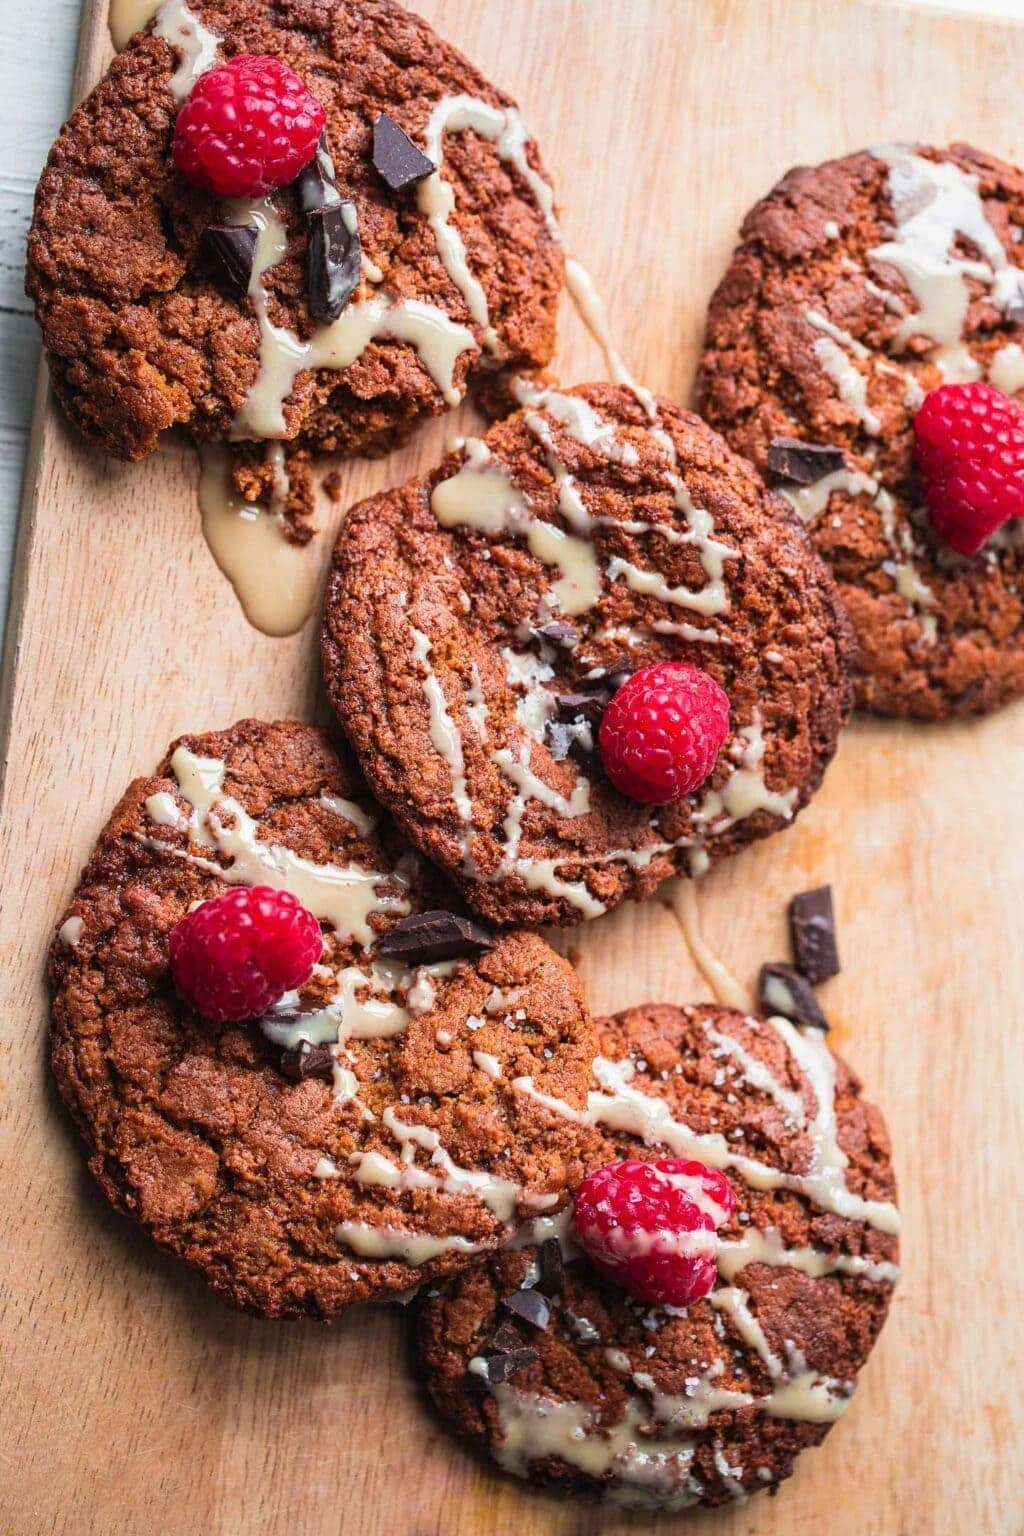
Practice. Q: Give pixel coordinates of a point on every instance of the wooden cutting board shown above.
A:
(131, 1401)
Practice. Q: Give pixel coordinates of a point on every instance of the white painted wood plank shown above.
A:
(37, 52)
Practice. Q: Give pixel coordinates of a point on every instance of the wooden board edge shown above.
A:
(92, 44)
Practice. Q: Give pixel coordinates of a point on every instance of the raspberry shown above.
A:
(249, 127)
(237, 955)
(650, 1226)
(969, 443)
(662, 732)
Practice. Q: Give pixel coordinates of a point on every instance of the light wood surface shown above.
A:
(35, 69)
(132, 1402)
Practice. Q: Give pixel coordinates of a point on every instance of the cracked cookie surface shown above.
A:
(139, 337)
(858, 286)
(475, 618)
(666, 1407)
(413, 1148)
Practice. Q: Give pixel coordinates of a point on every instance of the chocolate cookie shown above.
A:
(364, 1134)
(153, 315)
(665, 1407)
(859, 286)
(479, 618)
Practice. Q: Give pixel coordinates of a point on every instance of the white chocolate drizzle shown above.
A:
(502, 1197)
(196, 44)
(809, 501)
(831, 351)
(533, 1427)
(70, 932)
(1006, 370)
(756, 1247)
(437, 339)
(364, 1007)
(588, 305)
(446, 739)
(412, 1248)
(481, 495)
(126, 17)
(623, 1107)
(342, 895)
(356, 815)
(504, 128)
(681, 896)
(933, 204)
(275, 580)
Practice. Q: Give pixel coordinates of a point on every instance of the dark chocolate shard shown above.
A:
(499, 1368)
(428, 936)
(803, 463)
(620, 672)
(395, 156)
(781, 989)
(813, 929)
(307, 1060)
(228, 252)
(530, 1306)
(589, 705)
(316, 186)
(334, 260)
(552, 1270)
(558, 633)
(505, 1339)
(582, 1327)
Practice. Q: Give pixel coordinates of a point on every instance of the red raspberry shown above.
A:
(662, 732)
(650, 1226)
(249, 127)
(969, 442)
(235, 956)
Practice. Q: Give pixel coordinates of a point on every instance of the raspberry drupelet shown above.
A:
(662, 732)
(233, 957)
(651, 1227)
(249, 126)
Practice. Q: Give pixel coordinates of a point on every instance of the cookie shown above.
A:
(399, 1150)
(858, 286)
(460, 274)
(665, 1407)
(478, 618)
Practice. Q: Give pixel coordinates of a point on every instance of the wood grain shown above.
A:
(131, 1401)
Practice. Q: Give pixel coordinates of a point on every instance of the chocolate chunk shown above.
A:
(552, 1270)
(316, 186)
(499, 1368)
(803, 463)
(396, 157)
(781, 989)
(813, 928)
(617, 674)
(428, 936)
(334, 260)
(530, 1306)
(505, 1339)
(558, 633)
(589, 705)
(307, 1061)
(228, 251)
